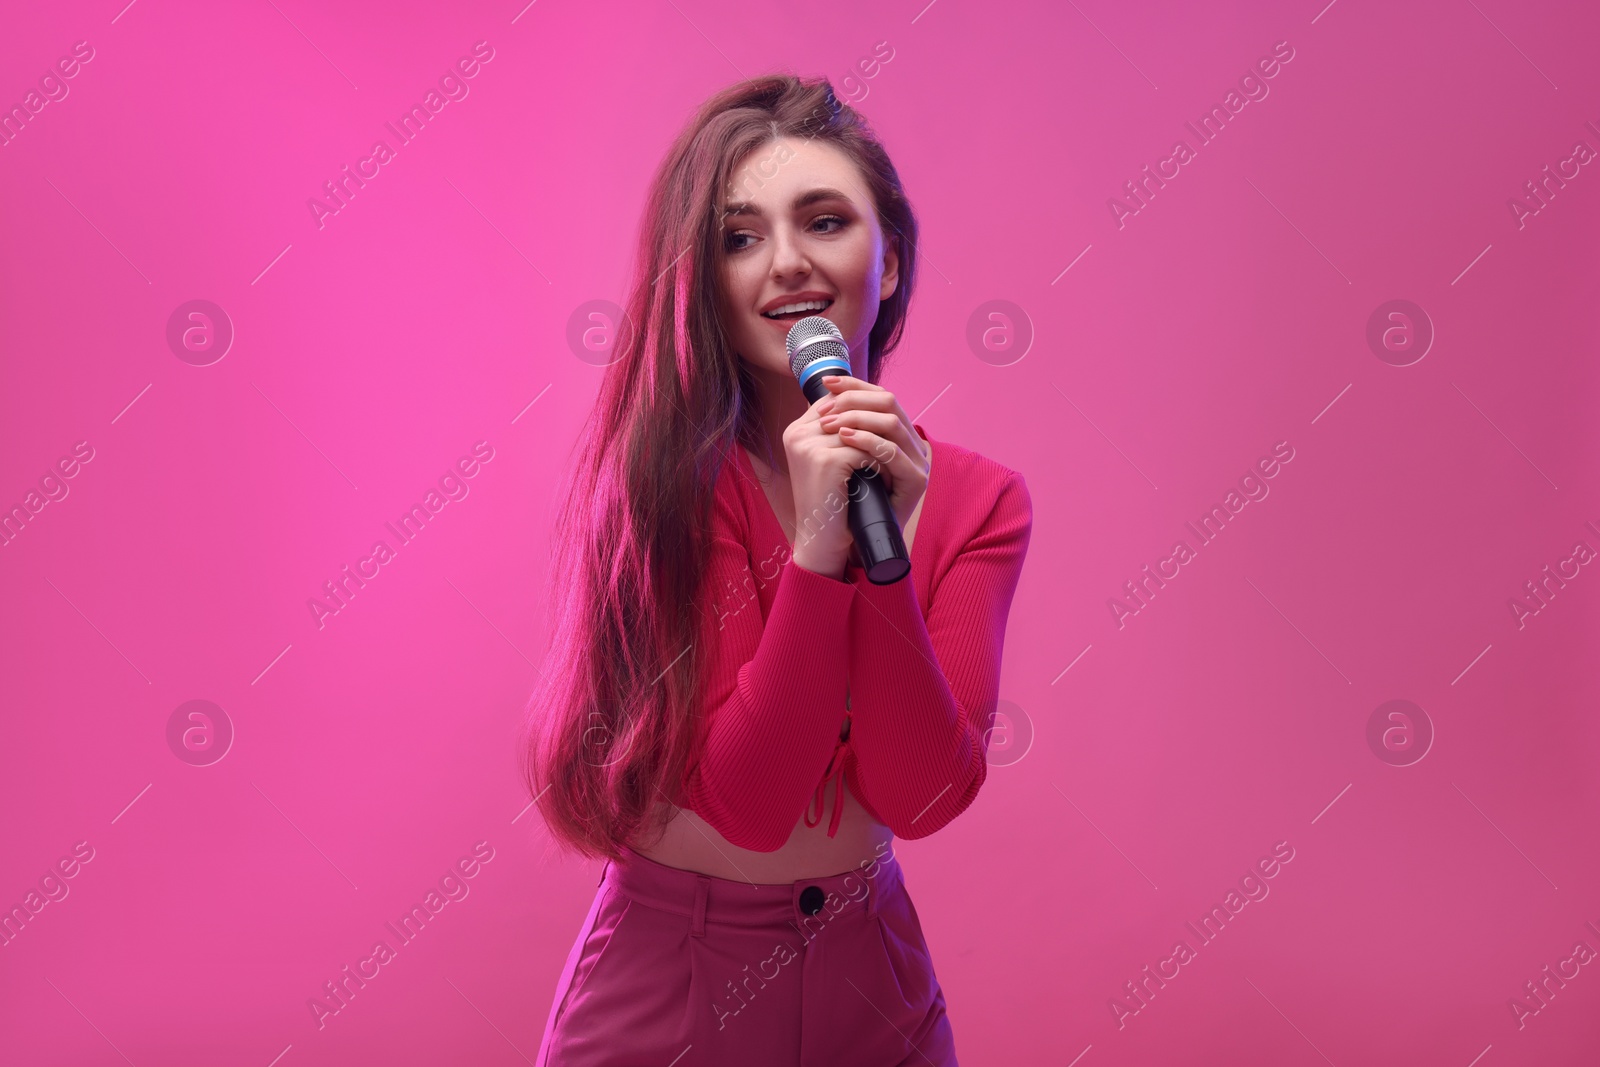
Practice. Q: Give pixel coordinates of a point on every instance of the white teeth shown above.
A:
(807, 305)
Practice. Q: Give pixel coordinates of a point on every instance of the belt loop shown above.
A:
(702, 889)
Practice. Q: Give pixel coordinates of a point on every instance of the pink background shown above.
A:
(1229, 314)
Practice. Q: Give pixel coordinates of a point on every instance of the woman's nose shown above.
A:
(788, 257)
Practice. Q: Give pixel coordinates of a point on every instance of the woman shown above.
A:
(719, 656)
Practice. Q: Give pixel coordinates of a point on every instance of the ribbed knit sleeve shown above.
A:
(774, 690)
(923, 692)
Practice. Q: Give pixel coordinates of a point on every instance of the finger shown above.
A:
(879, 452)
(846, 381)
(865, 399)
(904, 434)
(883, 423)
(817, 408)
(862, 418)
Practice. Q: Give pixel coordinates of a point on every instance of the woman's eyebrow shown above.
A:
(805, 199)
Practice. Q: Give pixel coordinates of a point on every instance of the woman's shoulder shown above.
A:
(981, 483)
(729, 503)
(973, 502)
(976, 507)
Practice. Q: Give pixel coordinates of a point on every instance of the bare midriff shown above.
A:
(690, 843)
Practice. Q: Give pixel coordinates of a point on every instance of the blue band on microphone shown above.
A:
(825, 365)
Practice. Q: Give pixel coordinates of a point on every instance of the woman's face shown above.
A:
(800, 227)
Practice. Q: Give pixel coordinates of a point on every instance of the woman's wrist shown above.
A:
(828, 568)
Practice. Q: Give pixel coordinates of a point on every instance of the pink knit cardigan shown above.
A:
(918, 661)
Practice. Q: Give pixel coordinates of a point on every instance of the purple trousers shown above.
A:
(673, 968)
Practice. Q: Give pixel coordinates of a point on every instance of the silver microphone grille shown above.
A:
(814, 338)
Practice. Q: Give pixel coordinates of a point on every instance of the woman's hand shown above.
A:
(856, 425)
(820, 466)
(868, 418)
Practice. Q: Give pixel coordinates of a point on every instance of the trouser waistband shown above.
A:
(703, 898)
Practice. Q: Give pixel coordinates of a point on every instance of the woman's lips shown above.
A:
(787, 323)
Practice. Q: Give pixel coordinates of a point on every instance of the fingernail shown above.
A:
(846, 431)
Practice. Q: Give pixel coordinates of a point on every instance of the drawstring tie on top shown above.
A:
(835, 773)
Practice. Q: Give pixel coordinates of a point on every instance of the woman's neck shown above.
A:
(781, 403)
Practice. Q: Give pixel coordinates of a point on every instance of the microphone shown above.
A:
(817, 349)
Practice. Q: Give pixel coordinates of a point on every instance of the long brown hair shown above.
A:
(611, 725)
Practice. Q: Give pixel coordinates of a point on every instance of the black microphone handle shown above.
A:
(872, 521)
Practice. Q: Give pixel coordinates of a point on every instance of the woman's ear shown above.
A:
(891, 269)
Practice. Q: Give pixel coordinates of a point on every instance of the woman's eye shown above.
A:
(730, 242)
